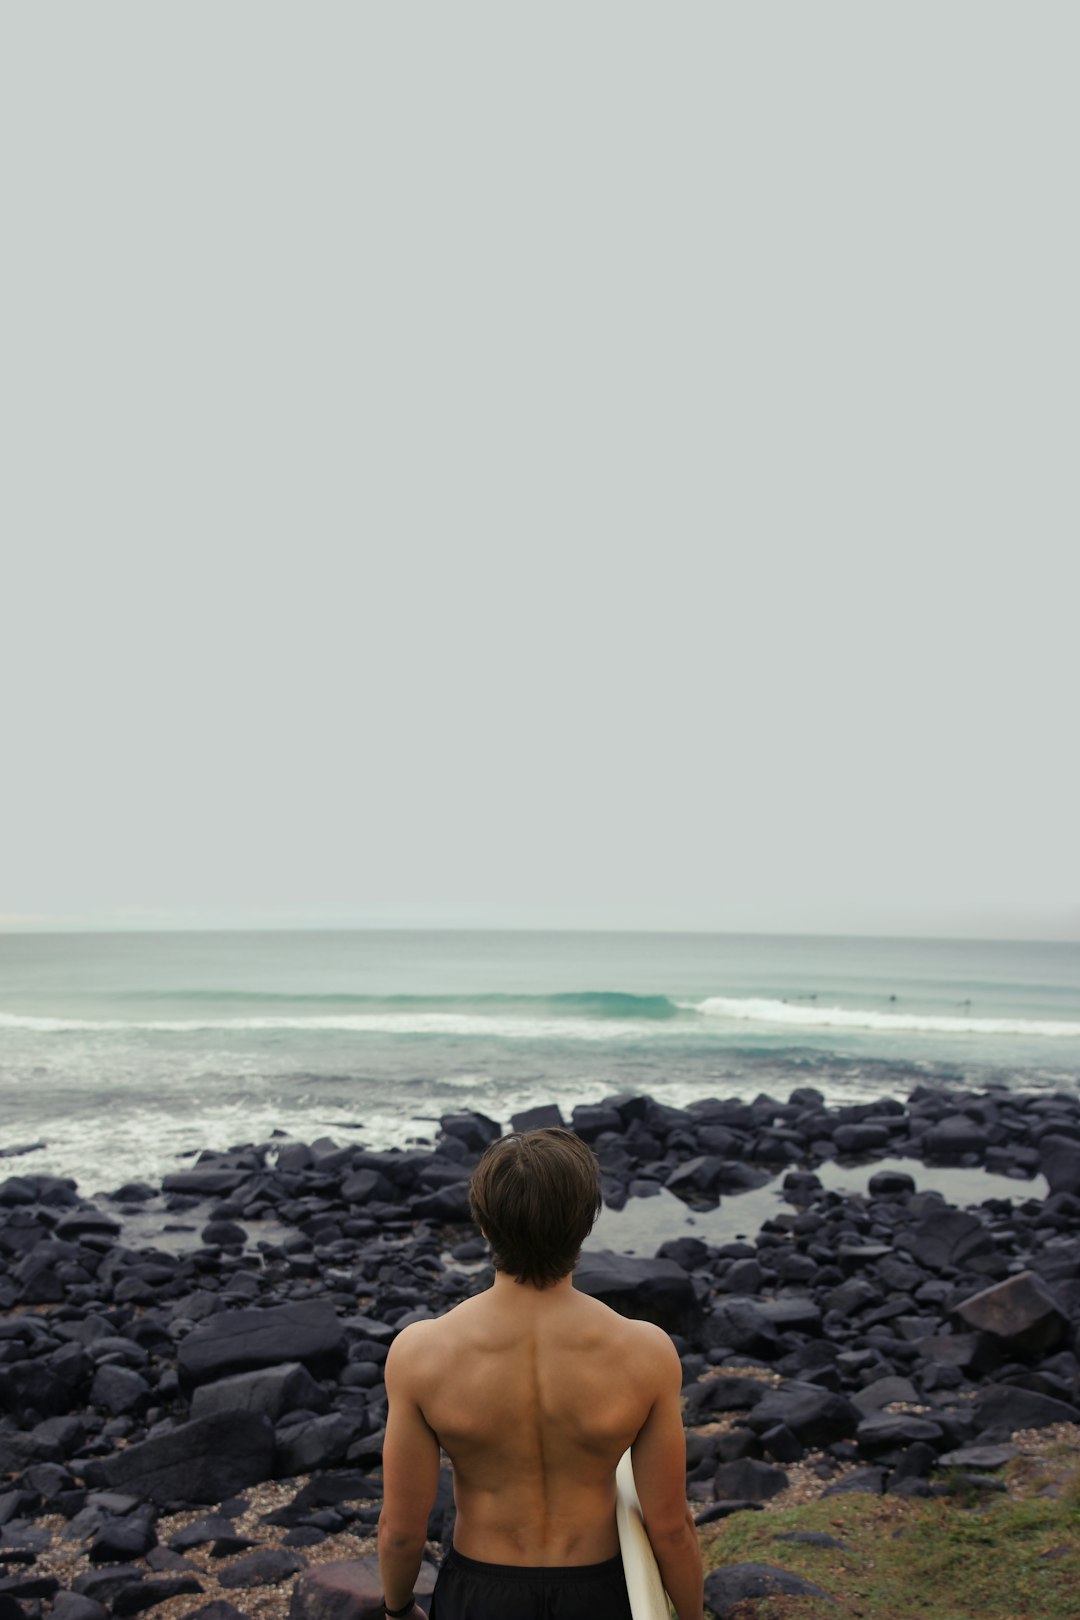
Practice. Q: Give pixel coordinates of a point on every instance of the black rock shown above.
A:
(948, 1238)
(651, 1290)
(224, 1234)
(271, 1390)
(320, 1442)
(200, 1461)
(1021, 1314)
(860, 1481)
(103, 1584)
(728, 1393)
(724, 1510)
(266, 1567)
(219, 1609)
(348, 1590)
(748, 1480)
(211, 1527)
(145, 1594)
(475, 1130)
(70, 1606)
(1007, 1408)
(883, 1431)
(241, 1341)
(119, 1390)
(130, 1537)
(816, 1416)
(545, 1117)
(740, 1326)
(734, 1584)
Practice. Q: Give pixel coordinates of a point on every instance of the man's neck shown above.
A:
(507, 1289)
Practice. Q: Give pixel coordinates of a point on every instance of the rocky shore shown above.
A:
(191, 1394)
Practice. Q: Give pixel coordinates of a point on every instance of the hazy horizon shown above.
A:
(254, 925)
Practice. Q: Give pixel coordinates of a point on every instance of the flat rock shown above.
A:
(982, 1457)
(884, 1430)
(201, 1461)
(349, 1590)
(211, 1527)
(733, 1584)
(268, 1566)
(219, 1609)
(145, 1595)
(241, 1341)
(747, 1480)
(1010, 1408)
(859, 1482)
(271, 1390)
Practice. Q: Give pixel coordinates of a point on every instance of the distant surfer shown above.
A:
(534, 1391)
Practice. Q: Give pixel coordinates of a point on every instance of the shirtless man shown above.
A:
(534, 1391)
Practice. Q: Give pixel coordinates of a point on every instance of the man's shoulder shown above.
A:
(428, 1335)
(646, 1342)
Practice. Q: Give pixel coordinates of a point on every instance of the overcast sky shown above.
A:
(591, 464)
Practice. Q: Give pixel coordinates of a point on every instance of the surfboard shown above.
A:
(648, 1600)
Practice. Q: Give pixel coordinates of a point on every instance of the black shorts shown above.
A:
(469, 1590)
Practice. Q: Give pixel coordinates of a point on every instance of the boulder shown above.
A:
(544, 1117)
(315, 1443)
(474, 1129)
(740, 1326)
(205, 1460)
(1007, 1408)
(724, 1394)
(219, 1609)
(734, 1584)
(747, 1480)
(883, 1431)
(953, 1137)
(890, 1184)
(816, 1416)
(349, 1590)
(1020, 1313)
(240, 1341)
(142, 1595)
(1060, 1160)
(204, 1183)
(649, 1290)
(119, 1390)
(949, 1238)
(592, 1119)
(267, 1566)
(272, 1390)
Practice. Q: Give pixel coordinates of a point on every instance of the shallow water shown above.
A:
(644, 1223)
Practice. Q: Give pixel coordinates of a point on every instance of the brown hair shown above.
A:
(536, 1196)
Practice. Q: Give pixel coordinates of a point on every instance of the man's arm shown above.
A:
(410, 1475)
(659, 1458)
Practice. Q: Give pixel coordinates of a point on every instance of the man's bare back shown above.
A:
(534, 1396)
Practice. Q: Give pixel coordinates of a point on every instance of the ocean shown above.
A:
(121, 1053)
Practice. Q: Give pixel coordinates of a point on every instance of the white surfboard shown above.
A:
(646, 1590)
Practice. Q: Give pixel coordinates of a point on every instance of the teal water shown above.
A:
(122, 1050)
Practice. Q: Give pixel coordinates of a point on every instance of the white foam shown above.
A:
(410, 1023)
(801, 1015)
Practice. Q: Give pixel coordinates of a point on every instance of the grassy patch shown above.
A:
(1014, 1557)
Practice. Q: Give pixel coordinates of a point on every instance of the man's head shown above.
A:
(535, 1196)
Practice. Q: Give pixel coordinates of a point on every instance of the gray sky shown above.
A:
(601, 464)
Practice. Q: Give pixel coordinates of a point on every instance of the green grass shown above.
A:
(974, 1558)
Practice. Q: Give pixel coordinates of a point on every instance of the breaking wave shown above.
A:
(800, 1015)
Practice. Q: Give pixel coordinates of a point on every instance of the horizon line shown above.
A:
(49, 930)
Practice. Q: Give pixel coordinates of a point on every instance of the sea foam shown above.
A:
(801, 1015)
